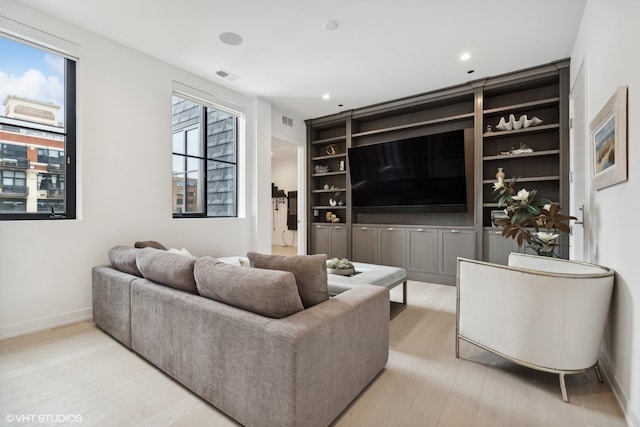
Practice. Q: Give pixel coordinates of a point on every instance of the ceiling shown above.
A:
(380, 50)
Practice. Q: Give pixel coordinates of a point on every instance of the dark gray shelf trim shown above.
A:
(330, 140)
(330, 173)
(516, 156)
(329, 156)
(415, 125)
(328, 207)
(549, 102)
(533, 129)
(529, 179)
(335, 190)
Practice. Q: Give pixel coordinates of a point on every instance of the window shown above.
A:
(37, 132)
(205, 170)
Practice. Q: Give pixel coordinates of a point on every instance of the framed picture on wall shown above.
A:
(609, 141)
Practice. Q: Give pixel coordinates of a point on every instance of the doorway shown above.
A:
(285, 201)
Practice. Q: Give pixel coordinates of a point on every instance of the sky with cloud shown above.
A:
(30, 73)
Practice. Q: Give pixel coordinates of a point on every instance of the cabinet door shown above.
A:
(338, 242)
(496, 249)
(365, 244)
(391, 246)
(455, 243)
(422, 250)
(320, 239)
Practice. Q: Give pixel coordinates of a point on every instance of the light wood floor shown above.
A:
(79, 370)
(284, 250)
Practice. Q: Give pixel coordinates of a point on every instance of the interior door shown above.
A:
(578, 144)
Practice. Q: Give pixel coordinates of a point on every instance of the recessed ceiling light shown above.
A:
(326, 96)
(231, 39)
(465, 56)
(330, 25)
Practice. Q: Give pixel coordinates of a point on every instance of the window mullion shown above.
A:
(204, 189)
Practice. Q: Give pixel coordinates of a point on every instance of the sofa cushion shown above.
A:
(149, 244)
(235, 260)
(265, 292)
(310, 272)
(182, 251)
(123, 258)
(166, 268)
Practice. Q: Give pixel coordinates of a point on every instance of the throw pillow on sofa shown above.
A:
(166, 268)
(149, 244)
(310, 272)
(265, 292)
(123, 258)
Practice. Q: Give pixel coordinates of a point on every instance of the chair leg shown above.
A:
(563, 388)
(596, 367)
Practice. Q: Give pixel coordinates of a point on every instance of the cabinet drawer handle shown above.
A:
(390, 229)
(337, 226)
(455, 231)
(421, 230)
(364, 228)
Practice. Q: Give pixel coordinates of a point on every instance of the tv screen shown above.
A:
(425, 173)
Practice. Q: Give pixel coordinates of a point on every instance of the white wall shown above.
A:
(607, 41)
(284, 174)
(124, 143)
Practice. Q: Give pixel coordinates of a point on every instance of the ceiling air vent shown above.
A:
(227, 75)
(287, 121)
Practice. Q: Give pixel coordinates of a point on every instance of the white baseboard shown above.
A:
(607, 368)
(30, 326)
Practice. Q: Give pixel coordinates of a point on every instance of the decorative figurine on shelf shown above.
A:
(332, 202)
(520, 148)
(513, 124)
(342, 165)
(340, 203)
(331, 217)
(332, 149)
(321, 169)
(326, 186)
(500, 174)
(489, 128)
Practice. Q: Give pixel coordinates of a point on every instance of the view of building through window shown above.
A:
(204, 160)
(33, 135)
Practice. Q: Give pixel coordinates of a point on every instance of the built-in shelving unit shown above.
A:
(477, 107)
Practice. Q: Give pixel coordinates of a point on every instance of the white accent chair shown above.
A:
(544, 313)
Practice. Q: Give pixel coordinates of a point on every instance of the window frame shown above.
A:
(68, 132)
(203, 158)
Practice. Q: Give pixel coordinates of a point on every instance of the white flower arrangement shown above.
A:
(339, 264)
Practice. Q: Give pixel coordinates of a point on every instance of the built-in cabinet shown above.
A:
(496, 249)
(422, 250)
(330, 239)
(454, 243)
(427, 244)
(379, 245)
(427, 253)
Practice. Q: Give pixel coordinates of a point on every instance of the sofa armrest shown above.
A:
(340, 346)
(111, 302)
(300, 370)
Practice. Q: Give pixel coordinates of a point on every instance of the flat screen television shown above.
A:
(422, 174)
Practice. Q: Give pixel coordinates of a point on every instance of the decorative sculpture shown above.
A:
(522, 122)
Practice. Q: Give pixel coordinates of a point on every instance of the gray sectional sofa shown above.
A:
(242, 338)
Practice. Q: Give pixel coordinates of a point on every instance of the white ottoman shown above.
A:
(372, 274)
